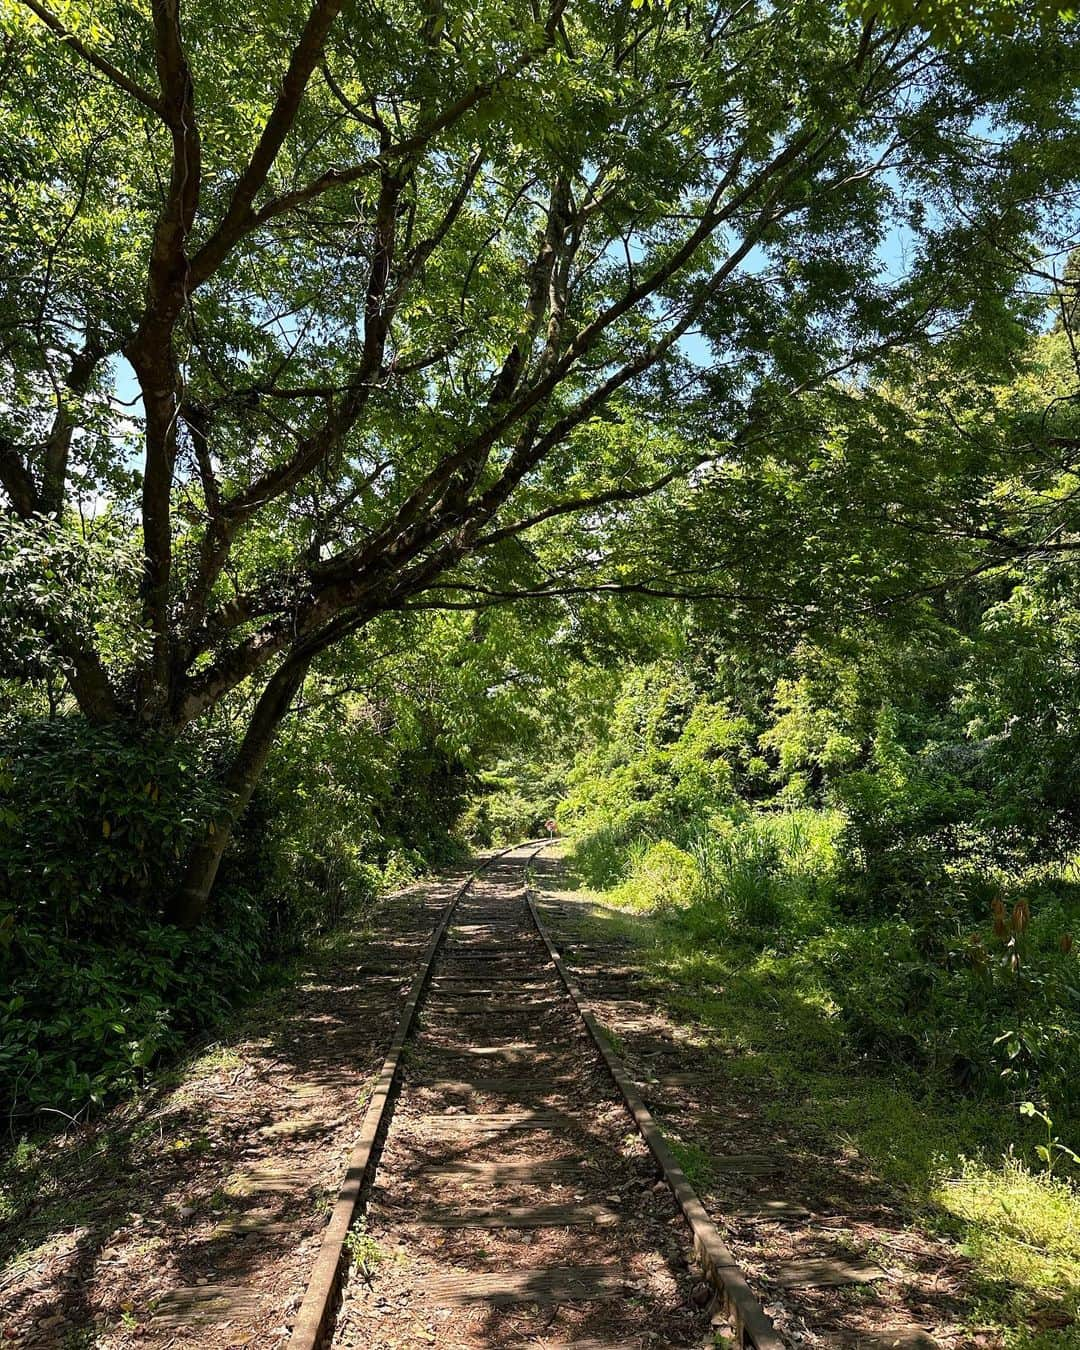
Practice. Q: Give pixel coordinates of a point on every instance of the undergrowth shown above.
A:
(874, 1033)
(97, 990)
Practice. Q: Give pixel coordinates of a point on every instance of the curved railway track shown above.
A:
(499, 1194)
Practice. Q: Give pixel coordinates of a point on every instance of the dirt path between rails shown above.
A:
(192, 1218)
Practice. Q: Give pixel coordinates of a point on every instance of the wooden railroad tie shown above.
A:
(546, 1285)
(520, 1216)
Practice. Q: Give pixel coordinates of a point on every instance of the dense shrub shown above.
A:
(93, 986)
(887, 865)
(670, 761)
(959, 998)
(340, 814)
(965, 1013)
(662, 877)
(92, 821)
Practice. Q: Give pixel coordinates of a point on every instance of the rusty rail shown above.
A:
(316, 1313)
(753, 1325)
(314, 1317)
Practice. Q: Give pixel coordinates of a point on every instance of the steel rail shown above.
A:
(753, 1325)
(316, 1311)
(314, 1319)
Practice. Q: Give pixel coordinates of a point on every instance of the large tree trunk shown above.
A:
(188, 904)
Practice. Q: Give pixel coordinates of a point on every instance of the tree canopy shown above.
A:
(348, 309)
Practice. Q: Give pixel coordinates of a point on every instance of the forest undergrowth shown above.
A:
(966, 1167)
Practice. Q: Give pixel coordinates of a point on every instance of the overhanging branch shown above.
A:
(92, 58)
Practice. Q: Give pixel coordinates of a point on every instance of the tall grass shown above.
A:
(766, 872)
(762, 876)
(740, 877)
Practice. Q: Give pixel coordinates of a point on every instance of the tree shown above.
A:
(956, 21)
(344, 309)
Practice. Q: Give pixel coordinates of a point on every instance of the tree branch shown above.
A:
(487, 596)
(95, 59)
(151, 351)
(239, 216)
(17, 480)
(578, 504)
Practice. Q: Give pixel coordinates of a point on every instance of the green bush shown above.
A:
(906, 823)
(740, 877)
(92, 822)
(931, 985)
(661, 877)
(83, 1020)
(94, 986)
(964, 1012)
(767, 877)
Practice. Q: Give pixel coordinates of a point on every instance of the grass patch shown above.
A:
(695, 1161)
(1022, 1230)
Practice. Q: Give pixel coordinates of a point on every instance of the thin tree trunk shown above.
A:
(188, 904)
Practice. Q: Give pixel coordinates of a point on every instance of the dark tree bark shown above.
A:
(187, 905)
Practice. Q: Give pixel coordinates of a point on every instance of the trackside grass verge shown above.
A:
(960, 1169)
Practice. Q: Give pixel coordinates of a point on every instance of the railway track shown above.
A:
(510, 1187)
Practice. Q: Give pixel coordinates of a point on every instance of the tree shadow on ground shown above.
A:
(220, 1174)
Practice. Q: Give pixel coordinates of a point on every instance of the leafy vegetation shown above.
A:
(854, 863)
(361, 795)
(863, 841)
(782, 1012)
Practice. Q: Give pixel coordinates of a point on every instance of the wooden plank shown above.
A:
(205, 1304)
(824, 1272)
(501, 951)
(744, 1164)
(493, 1008)
(540, 1171)
(695, 1080)
(605, 1344)
(507, 966)
(240, 1225)
(493, 951)
(298, 1127)
(270, 1181)
(503, 1057)
(773, 1209)
(515, 1049)
(521, 1216)
(907, 1337)
(532, 977)
(493, 1122)
(500, 1087)
(607, 972)
(546, 1285)
(477, 984)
